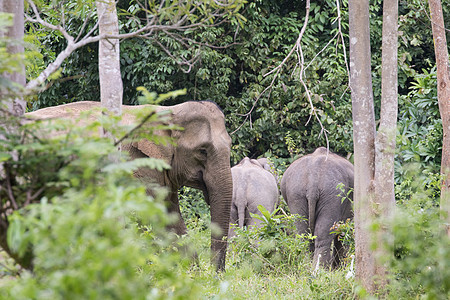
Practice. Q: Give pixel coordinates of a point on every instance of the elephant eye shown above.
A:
(203, 152)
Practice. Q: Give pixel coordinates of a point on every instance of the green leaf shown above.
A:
(4, 156)
(133, 165)
(16, 235)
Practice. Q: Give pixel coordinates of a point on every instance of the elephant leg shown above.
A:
(300, 207)
(252, 208)
(339, 252)
(179, 227)
(234, 219)
(323, 241)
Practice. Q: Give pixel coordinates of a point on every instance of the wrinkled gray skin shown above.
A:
(268, 165)
(309, 188)
(252, 186)
(201, 159)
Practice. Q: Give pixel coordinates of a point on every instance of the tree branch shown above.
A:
(128, 134)
(152, 27)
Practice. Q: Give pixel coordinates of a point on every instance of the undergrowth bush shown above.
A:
(420, 255)
(274, 246)
(194, 209)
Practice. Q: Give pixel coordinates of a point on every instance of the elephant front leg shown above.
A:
(179, 227)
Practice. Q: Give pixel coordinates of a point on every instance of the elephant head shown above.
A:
(200, 159)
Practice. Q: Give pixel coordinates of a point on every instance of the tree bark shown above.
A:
(386, 135)
(111, 90)
(443, 89)
(363, 139)
(16, 106)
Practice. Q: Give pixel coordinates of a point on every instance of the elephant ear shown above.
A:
(159, 151)
(150, 149)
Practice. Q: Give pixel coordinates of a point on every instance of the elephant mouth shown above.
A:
(201, 185)
(197, 183)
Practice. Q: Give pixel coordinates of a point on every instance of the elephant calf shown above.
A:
(252, 186)
(309, 188)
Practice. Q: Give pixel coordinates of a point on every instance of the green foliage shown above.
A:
(419, 139)
(233, 76)
(178, 44)
(420, 254)
(345, 232)
(194, 209)
(273, 246)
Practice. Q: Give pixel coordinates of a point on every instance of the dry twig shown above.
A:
(298, 51)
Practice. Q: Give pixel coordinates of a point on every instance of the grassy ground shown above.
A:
(251, 279)
(246, 277)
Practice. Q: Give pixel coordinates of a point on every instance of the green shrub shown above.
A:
(420, 256)
(419, 140)
(194, 209)
(274, 246)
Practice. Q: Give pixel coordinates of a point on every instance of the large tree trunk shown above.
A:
(109, 57)
(385, 140)
(16, 105)
(363, 138)
(443, 88)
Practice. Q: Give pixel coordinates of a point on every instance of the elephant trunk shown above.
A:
(219, 186)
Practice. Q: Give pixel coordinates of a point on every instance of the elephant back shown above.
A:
(319, 170)
(315, 177)
(250, 171)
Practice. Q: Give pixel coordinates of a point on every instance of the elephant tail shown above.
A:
(312, 201)
(241, 215)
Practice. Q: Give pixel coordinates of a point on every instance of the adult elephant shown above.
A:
(200, 159)
(252, 186)
(309, 186)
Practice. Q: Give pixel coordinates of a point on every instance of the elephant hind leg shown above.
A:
(322, 252)
(323, 241)
(339, 252)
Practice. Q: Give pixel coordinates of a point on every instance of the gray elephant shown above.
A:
(309, 188)
(268, 165)
(200, 159)
(252, 186)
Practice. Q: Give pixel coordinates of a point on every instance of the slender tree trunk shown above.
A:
(385, 140)
(109, 57)
(363, 139)
(16, 105)
(443, 88)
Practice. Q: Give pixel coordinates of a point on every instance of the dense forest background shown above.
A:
(232, 74)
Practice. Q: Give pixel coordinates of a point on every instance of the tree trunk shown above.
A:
(109, 57)
(16, 105)
(363, 138)
(385, 140)
(443, 88)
